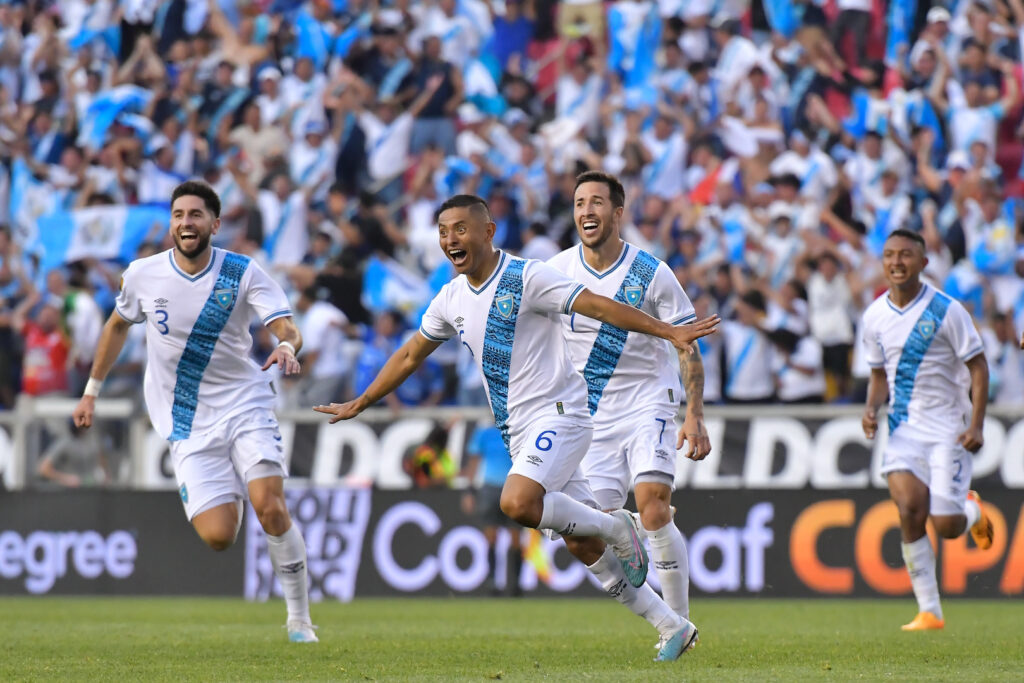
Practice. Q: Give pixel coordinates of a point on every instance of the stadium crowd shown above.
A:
(767, 148)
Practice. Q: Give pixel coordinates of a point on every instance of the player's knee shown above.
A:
(913, 512)
(949, 526)
(655, 514)
(522, 509)
(273, 516)
(218, 538)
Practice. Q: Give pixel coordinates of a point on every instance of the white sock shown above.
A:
(642, 601)
(920, 560)
(973, 512)
(288, 555)
(572, 518)
(668, 553)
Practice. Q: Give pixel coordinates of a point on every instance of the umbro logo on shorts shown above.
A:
(534, 459)
(662, 454)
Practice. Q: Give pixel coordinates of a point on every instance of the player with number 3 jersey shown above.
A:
(507, 311)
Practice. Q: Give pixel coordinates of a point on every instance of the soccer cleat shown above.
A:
(981, 532)
(632, 555)
(673, 647)
(924, 621)
(301, 632)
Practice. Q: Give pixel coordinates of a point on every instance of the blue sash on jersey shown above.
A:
(741, 358)
(914, 349)
(201, 342)
(607, 349)
(496, 358)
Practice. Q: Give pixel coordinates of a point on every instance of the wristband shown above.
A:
(92, 387)
(290, 346)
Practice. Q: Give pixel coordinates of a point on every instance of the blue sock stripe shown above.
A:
(496, 358)
(914, 349)
(607, 349)
(201, 342)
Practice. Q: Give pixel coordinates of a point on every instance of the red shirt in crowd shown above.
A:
(44, 369)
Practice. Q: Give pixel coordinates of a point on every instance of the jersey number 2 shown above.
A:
(161, 321)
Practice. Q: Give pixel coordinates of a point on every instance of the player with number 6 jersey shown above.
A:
(204, 393)
(507, 312)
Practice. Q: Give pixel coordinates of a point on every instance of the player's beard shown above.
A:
(202, 242)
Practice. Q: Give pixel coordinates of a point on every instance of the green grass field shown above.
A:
(532, 639)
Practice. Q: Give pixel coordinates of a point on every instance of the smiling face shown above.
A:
(596, 219)
(192, 225)
(903, 260)
(465, 235)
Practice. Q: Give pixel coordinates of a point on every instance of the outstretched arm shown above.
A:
(402, 363)
(972, 438)
(111, 342)
(691, 368)
(628, 318)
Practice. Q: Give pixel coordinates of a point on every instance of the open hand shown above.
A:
(284, 357)
(682, 335)
(340, 411)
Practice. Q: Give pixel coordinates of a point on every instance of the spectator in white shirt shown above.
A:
(537, 244)
(311, 161)
(799, 373)
(830, 303)
(748, 353)
(327, 373)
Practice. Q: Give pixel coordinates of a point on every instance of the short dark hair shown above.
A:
(908, 234)
(462, 201)
(755, 299)
(615, 190)
(197, 188)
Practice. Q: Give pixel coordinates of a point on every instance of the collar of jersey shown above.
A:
(192, 278)
(622, 257)
(484, 286)
(901, 311)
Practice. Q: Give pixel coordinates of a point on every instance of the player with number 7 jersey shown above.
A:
(507, 311)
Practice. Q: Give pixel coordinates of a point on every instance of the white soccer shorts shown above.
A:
(944, 466)
(217, 465)
(549, 452)
(640, 446)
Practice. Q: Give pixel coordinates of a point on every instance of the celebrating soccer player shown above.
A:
(507, 311)
(203, 392)
(923, 343)
(633, 389)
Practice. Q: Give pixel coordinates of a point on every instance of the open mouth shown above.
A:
(189, 238)
(457, 256)
(590, 227)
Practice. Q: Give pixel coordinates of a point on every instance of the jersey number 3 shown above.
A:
(161, 321)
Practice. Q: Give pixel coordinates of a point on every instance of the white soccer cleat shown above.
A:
(301, 632)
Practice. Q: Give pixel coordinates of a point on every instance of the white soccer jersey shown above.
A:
(923, 348)
(625, 370)
(511, 326)
(198, 369)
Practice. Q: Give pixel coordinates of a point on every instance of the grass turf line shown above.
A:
(475, 639)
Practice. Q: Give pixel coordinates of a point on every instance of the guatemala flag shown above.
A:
(900, 24)
(312, 39)
(102, 232)
(104, 109)
(29, 199)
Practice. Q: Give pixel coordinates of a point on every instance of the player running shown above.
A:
(506, 311)
(203, 392)
(632, 380)
(920, 339)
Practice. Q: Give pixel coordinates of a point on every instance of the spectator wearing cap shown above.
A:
(748, 353)
(311, 161)
(270, 99)
(435, 124)
(815, 169)
(829, 305)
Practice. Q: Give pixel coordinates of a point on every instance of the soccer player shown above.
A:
(923, 343)
(633, 389)
(506, 311)
(203, 392)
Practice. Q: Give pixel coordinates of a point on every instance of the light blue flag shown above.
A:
(104, 109)
(29, 199)
(311, 39)
(900, 24)
(102, 232)
(389, 286)
(647, 44)
(783, 16)
(359, 29)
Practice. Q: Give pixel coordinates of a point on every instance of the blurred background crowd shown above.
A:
(767, 148)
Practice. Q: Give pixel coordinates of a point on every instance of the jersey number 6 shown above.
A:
(541, 439)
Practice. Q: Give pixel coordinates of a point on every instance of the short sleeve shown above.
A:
(435, 325)
(959, 331)
(128, 304)
(671, 304)
(872, 351)
(547, 290)
(265, 296)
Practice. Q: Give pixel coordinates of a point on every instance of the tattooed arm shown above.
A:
(691, 368)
